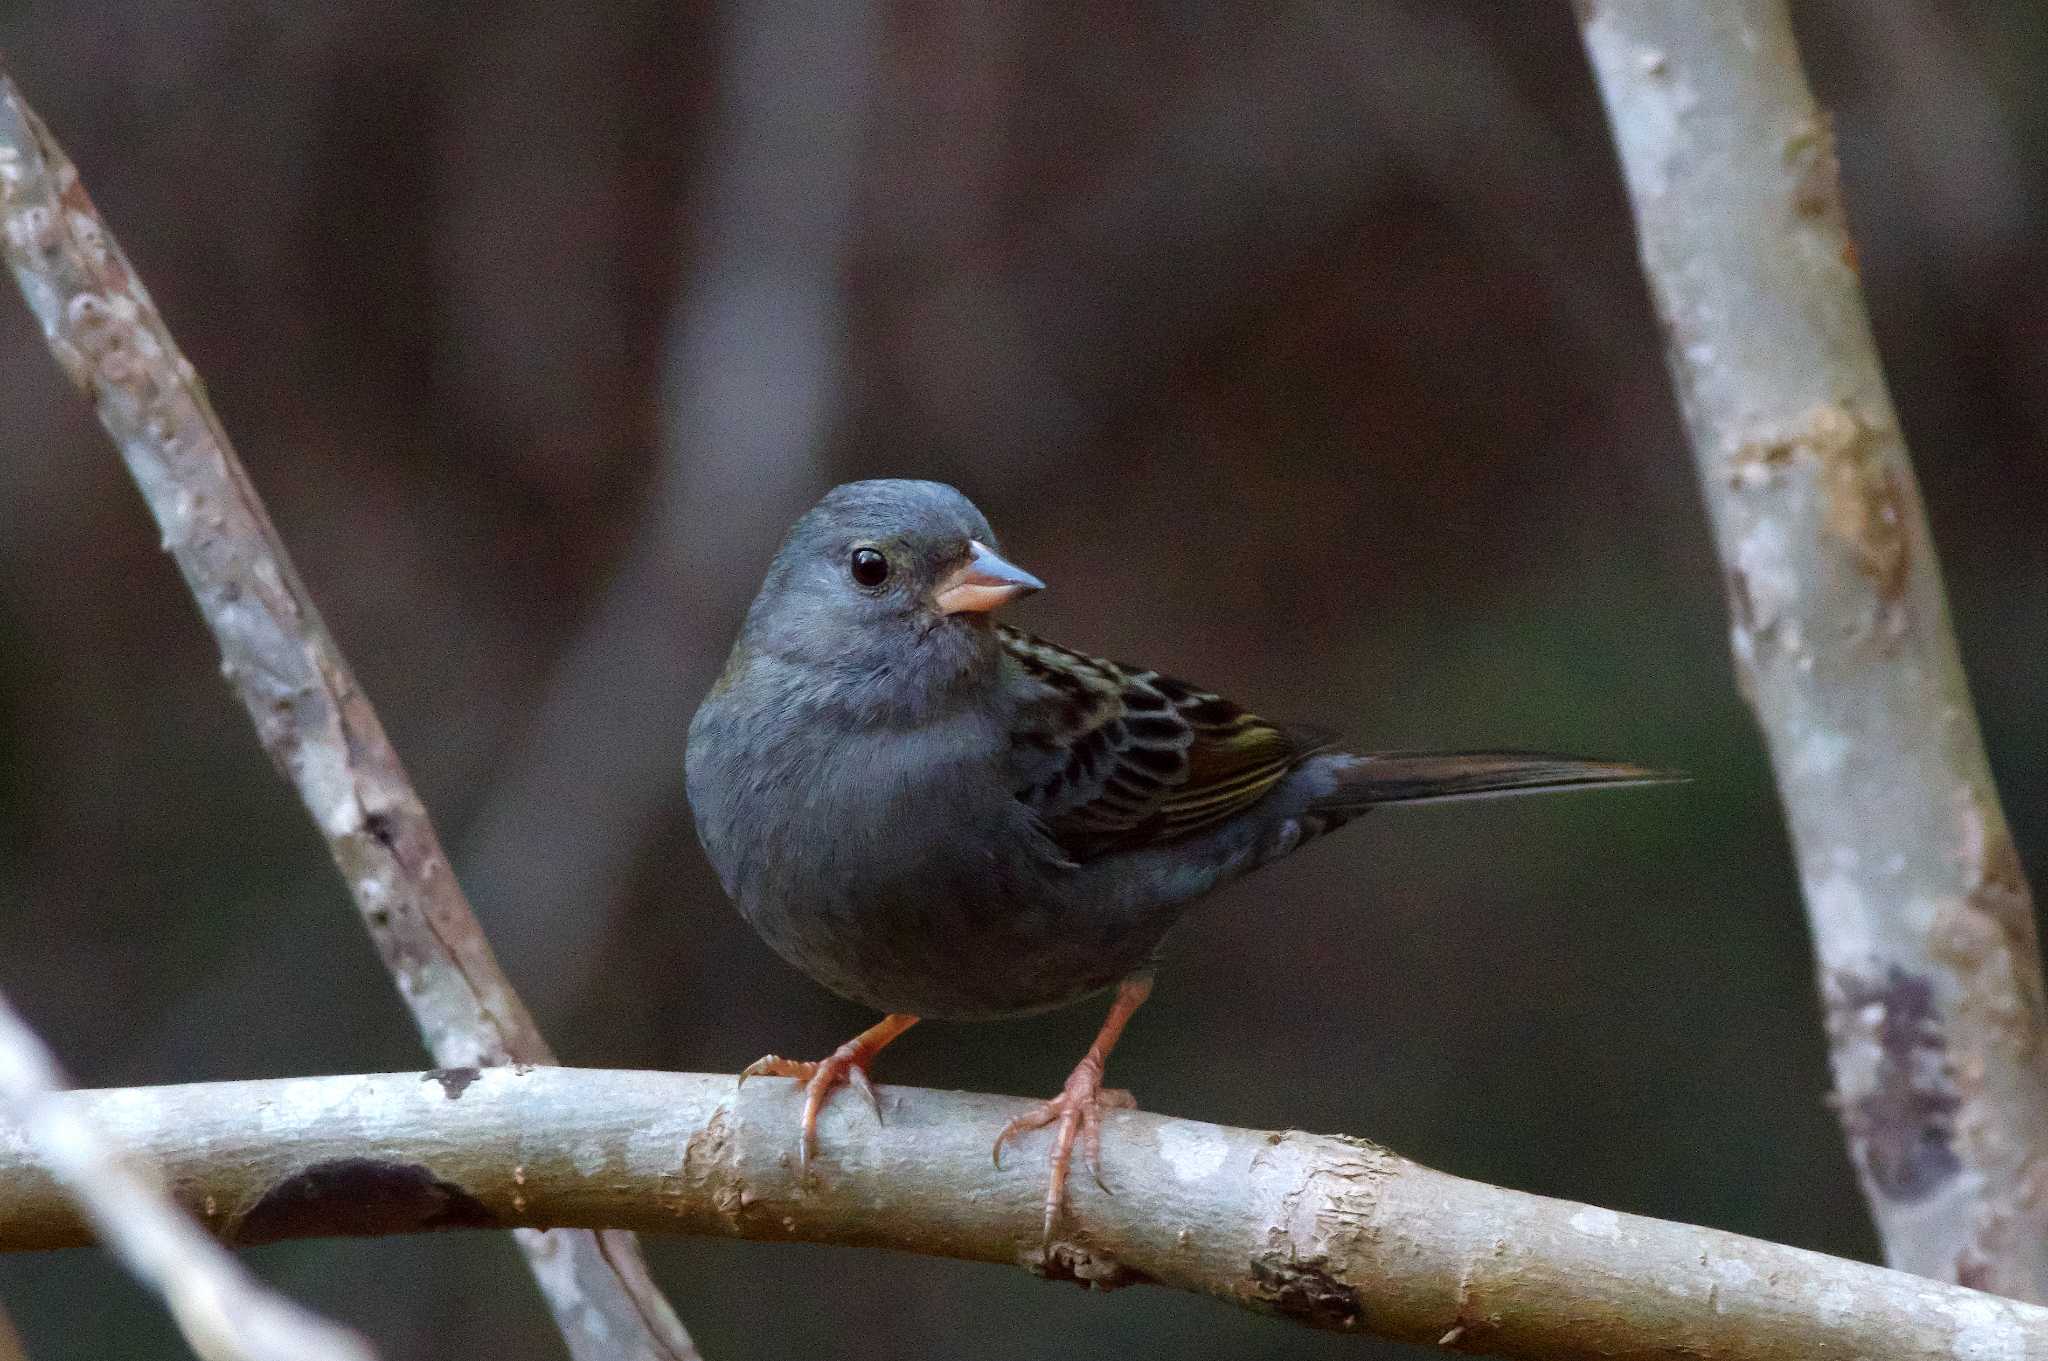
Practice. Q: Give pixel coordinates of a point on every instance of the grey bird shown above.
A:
(935, 815)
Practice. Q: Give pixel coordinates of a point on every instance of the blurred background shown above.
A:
(1301, 347)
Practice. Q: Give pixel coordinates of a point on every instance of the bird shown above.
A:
(939, 816)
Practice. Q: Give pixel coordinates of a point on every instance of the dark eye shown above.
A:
(869, 568)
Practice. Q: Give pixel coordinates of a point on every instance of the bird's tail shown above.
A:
(1432, 776)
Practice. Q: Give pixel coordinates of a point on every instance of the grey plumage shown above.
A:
(932, 814)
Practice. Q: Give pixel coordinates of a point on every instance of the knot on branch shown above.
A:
(1087, 1267)
(1306, 1290)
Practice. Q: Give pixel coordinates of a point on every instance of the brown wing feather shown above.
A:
(1114, 757)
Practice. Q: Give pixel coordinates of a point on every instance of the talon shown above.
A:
(848, 1064)
(857, 1078)
(1038, 1117)
(774, 1065)
(1091, 1149)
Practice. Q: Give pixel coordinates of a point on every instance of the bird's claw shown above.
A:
(774, 1065)
(857, 1078)
(848, 1065)
(1077, 1113)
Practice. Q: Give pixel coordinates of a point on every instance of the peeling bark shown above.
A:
(311, 716)
(1332, 1233)
(1922, 923)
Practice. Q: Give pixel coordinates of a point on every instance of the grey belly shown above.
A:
(972, 951)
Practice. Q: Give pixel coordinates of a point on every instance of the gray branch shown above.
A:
(312, 717)
(1921, 917)
(1330, 1232)
(225, 1313)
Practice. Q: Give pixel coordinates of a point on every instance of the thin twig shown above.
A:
(1329, 1232)
(1920, 912)
(311, 716)
(223, 1311)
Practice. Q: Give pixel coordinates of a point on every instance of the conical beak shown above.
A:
(982, 582)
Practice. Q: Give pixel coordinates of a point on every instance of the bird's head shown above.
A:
(887, 586)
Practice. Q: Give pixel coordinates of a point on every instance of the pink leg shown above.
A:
(1077, 1110)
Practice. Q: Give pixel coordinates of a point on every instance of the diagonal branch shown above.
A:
(225, 1313)
(1333, 1233)
(1921, 918)
(311, 716)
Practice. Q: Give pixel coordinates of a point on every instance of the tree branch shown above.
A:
(1921, 917)
(1334, 1233)
(225, 1313)
(312, 717)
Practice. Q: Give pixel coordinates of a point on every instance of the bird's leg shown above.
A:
(848, 1064)
(1077, 1110)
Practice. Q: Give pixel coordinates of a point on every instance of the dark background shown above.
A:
(1301, 347)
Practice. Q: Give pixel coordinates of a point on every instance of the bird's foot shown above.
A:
(848, 1065)
(1077, 1114)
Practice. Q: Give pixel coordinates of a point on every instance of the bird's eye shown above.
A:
(869, 568)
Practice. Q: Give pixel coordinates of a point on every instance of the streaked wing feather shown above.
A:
(1114, 757)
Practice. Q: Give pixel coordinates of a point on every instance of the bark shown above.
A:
(225, 1313)
(312, 717)
(1922, 923)
(1330, 1232)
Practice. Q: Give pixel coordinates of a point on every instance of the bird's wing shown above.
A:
(1113, 758)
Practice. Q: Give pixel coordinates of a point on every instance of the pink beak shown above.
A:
(982, 582)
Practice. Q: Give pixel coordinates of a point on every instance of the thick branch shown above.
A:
(312, 717)
(1334, 1233)
(1920, 912)
(225, 1313)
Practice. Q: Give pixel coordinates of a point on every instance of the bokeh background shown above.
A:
(1301, 347)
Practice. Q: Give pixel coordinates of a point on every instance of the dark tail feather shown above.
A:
(1428, 776)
